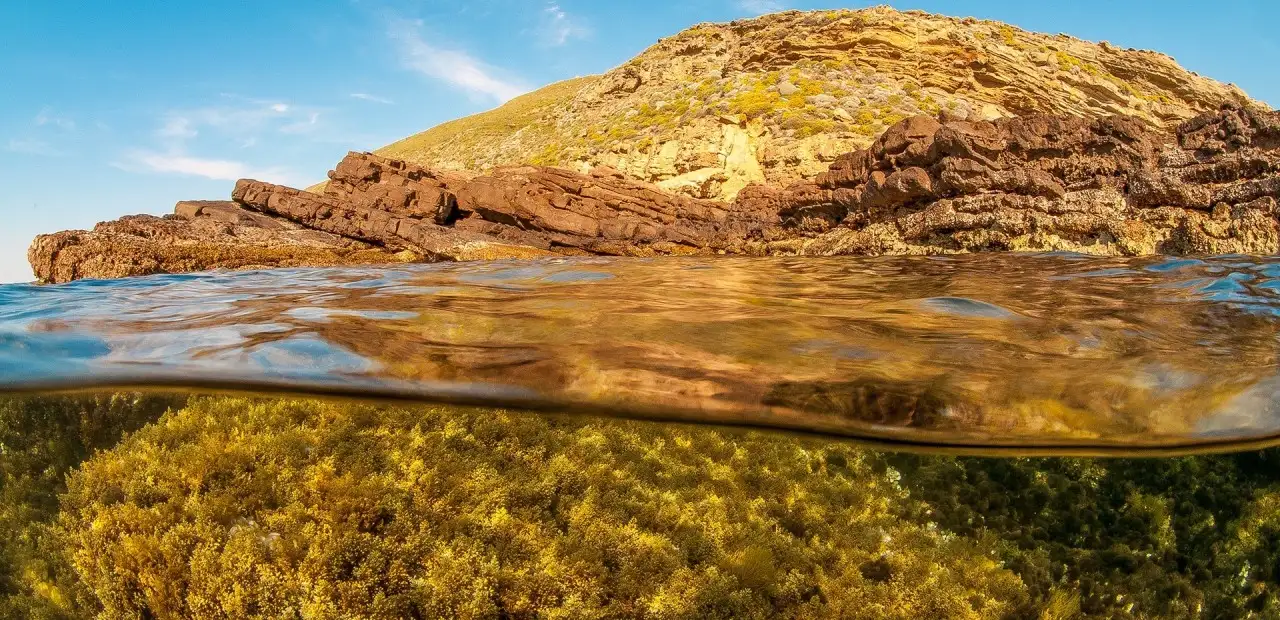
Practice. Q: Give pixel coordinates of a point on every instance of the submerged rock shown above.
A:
(1112, 186)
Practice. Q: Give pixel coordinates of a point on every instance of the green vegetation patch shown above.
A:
(470, 134)
(1194, 537)
(757, 100)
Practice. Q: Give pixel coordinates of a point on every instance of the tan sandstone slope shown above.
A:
(777, 98)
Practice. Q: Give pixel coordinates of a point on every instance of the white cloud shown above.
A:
(218, 169)
(302, 126)
(558, 27)
(760, 7)
(211, 141)
(47, 117)
(177, 128)
(243, 122)
(221, 169)
(373, 98)
(452, 66)
(33, 147)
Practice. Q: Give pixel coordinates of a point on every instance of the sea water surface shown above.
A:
(995, 353)
(597, 438)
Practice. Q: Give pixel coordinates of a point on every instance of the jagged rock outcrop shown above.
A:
(1112, 186)
(378, 210)
(400, 205)
(775, 99)
(199, 235)
(1103, 186)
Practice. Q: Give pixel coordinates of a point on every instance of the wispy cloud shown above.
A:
(303, 126)
(46, 117)
(33, 147)
(230, 126)
(47, 129)
(451, 66)
(558, 27)
(220, 169)
(372, 98)
(177, 128)
(217, 169)
(242, 120)
(760, 7)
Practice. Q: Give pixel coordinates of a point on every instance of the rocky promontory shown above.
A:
(1113, 185)
(873, 131)
(775, 99)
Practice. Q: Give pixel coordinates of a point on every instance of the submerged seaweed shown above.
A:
(264, 507)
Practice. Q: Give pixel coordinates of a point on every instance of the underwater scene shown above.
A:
(132, 504)
(986, 436)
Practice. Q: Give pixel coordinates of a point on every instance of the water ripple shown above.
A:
(1053, 352)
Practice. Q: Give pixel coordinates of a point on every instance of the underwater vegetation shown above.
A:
(127, 506)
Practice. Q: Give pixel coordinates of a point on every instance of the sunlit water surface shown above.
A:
(1055, 354)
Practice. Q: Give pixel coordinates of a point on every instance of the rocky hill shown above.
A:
(776, 99)
(838, 132)
(1112, 185)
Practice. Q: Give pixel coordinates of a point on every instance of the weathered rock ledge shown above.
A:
(1106, 186)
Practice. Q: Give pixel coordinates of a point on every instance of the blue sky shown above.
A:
(112, 108)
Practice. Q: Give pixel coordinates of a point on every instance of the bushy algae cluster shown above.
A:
(235, 507)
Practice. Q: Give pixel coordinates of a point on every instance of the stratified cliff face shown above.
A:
(775, 99)
(1106, 186)
(1112, 185)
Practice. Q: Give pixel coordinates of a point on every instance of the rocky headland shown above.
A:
(1123, 153)
(774, 100)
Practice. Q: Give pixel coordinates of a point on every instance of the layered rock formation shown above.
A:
(775, 99)
(378, 210)
(199, 235)
(1105, 186)
(926, 186)
(517, 211)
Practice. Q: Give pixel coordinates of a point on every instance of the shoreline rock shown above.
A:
(1112, 186)
(200, 236)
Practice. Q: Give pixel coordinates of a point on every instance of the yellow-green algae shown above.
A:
(226, 507)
